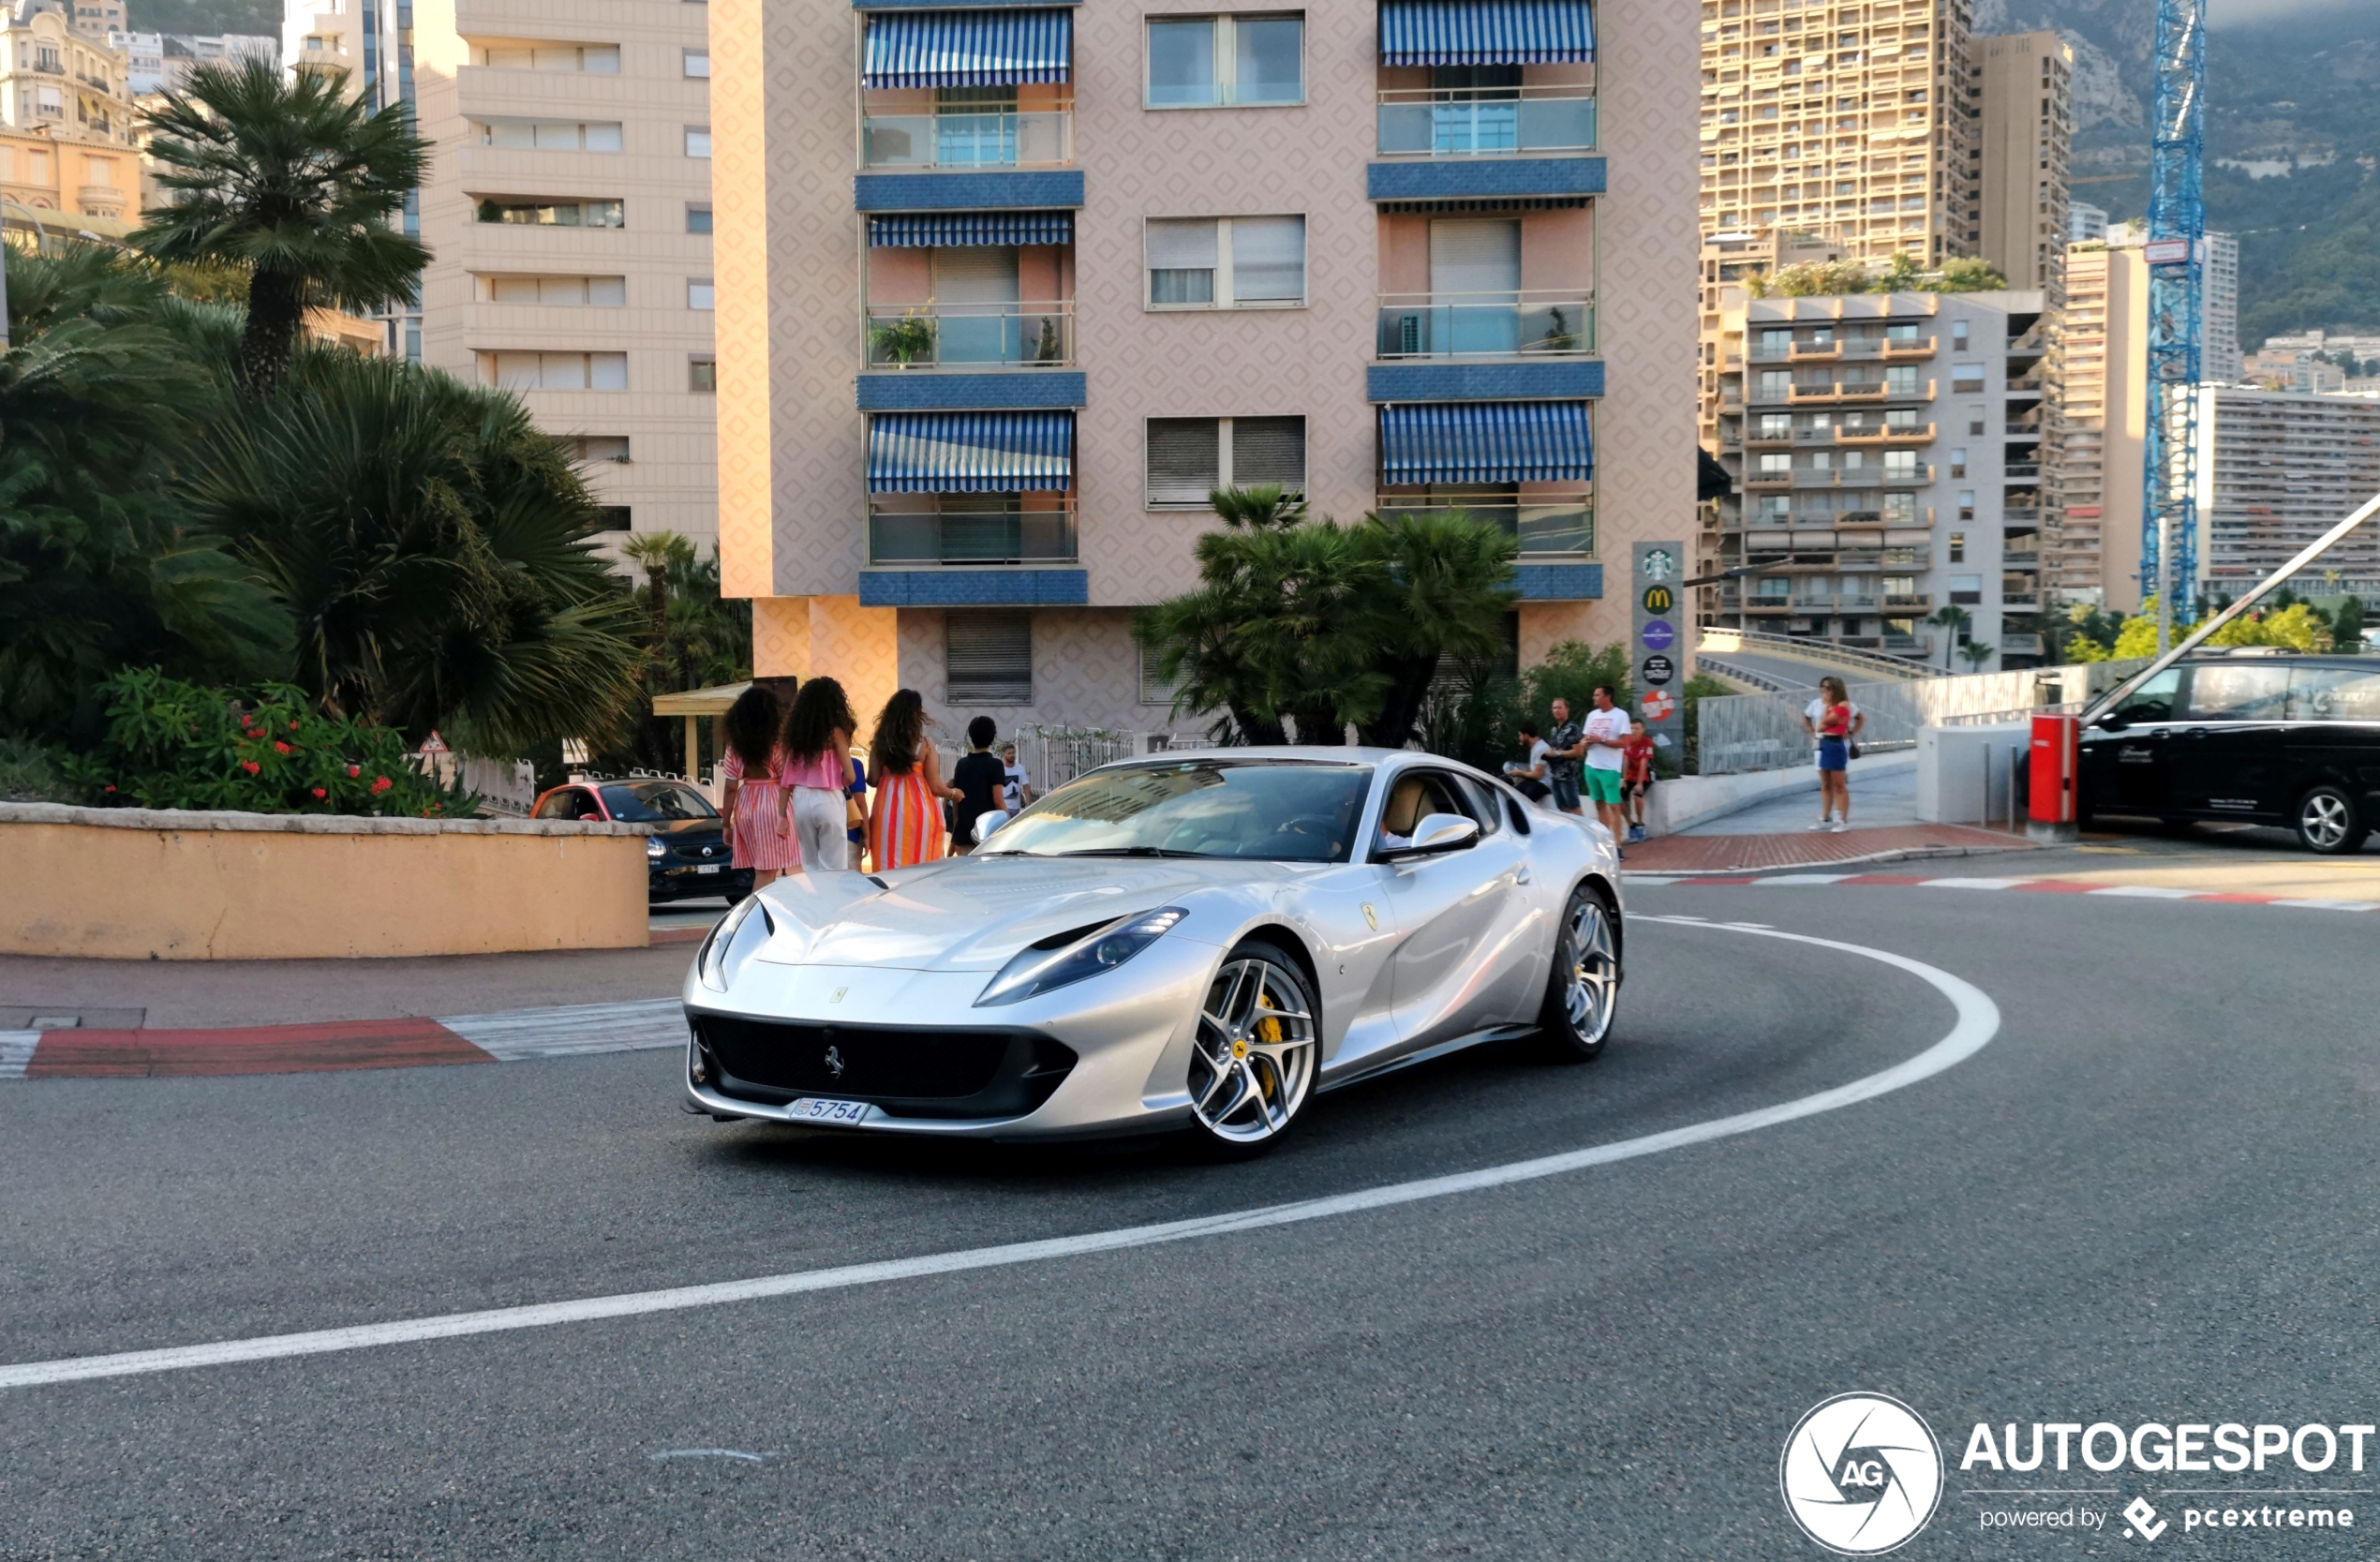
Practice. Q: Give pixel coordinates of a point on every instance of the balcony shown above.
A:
(2028, 471)
(972, 336)
(1862, 477)
(1486, 325)
(2021, 558)
(986, 139)
(1891, 434)
(971, 529)
(1901, 349)
(1912, 601)
(1421, 122)
(1552, 524)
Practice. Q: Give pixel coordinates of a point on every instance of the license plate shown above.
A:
(708, 868)
(812, 1110)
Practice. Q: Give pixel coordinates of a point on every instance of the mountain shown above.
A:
(2293, 145)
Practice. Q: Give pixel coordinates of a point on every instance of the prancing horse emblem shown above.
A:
(835, 1061)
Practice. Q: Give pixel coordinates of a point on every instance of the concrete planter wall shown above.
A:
(161, 883)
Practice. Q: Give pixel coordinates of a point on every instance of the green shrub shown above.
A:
(266, 750)
(34, 773)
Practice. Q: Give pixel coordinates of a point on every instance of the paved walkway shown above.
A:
(1728, 854)
(1882, 793)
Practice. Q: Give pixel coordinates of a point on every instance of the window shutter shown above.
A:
(1153, 690)
(1177, 244)
(1475, 255)
(988, 658)
(1268, 259)
(1268, 450)
(975, 274)
(1184, 461)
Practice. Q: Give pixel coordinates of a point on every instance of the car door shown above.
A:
(2227, 753)
(2334, 731)
(1450, 908)
(2125, 753)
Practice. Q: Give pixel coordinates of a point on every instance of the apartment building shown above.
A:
(1006, 292)
(2095, 545)
(63, 84)
(2219, 360)
(60, 188)
(2022, 82)
(1887, 455)
(2085, 223)
(1856, 118)
(2277, 469)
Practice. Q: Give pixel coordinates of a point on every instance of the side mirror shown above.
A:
(1442, 832)
(987, 822)
(2108, 721)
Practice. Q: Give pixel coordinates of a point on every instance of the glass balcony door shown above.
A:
(971, 529)
(1475, 268)
(975, 126)
(976, 295)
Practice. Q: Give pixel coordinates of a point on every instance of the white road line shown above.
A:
(1806, 878)
(2145, 892)
(1970, 883)
(2331, 905)
(16, 1051)
(572, 1031)
(1657, 880)
(1978, 1022)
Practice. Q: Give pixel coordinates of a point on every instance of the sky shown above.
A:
(2225, 13)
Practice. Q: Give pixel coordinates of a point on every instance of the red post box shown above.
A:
(2057, 754)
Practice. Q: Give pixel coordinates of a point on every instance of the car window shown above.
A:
(2233, 691)
(2334, 694)
(1268, 811)
(2152, 700)
(554, 805)
(1479, 800)
(657, 802)
(1415, 796)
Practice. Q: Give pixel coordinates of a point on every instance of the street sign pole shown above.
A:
(1657, 644)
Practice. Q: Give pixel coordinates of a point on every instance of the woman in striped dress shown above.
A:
(760, 828)
(905, 826)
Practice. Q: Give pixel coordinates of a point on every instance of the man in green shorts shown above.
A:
(1607, 734)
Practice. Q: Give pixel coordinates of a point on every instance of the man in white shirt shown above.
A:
(1533, 777)
(1607, 734)
(1015, 788)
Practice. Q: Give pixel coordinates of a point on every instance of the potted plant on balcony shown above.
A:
(1047, 350)
(904, 341)
(1559, 337)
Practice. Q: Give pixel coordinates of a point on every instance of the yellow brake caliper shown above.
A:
(1267, 1031)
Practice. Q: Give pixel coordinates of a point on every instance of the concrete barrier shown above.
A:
(1688, 800)
(163, 884)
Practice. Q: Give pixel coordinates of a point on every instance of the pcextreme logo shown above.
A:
(1861, 1474)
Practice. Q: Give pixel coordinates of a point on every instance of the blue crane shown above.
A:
(2176, 257)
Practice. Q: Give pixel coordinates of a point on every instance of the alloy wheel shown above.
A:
(1591, 971)
(1253, 1065)
(2324, 820)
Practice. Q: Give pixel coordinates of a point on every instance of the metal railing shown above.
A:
(1554, 524)
(1460, 325)
(1800, 647)
(929, 533)
(1419, 121)
(989, 137)
(934, 336)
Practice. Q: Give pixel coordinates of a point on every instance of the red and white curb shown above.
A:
(2035, 887)
(575, 1030)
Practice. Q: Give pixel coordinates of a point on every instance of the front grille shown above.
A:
(914, 1072)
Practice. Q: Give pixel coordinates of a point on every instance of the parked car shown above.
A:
(2265, 737)
(687, 852)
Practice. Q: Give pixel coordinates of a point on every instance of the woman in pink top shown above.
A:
(760, 834)
(818, 769)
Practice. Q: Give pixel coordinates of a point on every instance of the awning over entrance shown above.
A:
(970, 453)
(947, 230)
(967, 49)
(1486, 31)
(1485, 441)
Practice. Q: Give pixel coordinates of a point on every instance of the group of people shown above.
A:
(798, 800)
(1606, 759)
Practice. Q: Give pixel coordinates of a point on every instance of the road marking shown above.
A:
(2145, 891)
(2329, 905)
(740, 1455)
(1978, 1022)
(1805, 878)
(16, 1051)
(1970, 883)
(572, 1031)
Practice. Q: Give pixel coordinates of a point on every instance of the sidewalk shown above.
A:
(1800, 847)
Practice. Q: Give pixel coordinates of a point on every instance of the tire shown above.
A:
(2328, 822)
(1256, 1052)
(1583, 990)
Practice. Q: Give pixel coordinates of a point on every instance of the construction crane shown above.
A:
(2176, 257)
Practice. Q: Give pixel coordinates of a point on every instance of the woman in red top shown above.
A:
(1835, 728)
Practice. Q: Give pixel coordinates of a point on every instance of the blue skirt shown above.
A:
(1834, 755)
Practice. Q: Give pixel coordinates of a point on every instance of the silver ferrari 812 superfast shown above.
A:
(1197, 941)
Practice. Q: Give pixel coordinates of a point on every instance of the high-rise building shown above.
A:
(1887, 452)
(2027, 129)
(1857, 120)
(2218, 312)
(63, 82)
(143, 61)
(1006, 293)
(2085, 223)
(2094, 545)
(2277, 469)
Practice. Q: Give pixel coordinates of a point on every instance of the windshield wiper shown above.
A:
(1130, 852)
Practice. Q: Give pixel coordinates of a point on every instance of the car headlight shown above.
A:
(733, 941)
(653, 847)
(1036, 971)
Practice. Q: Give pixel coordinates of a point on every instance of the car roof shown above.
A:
(1293, 753)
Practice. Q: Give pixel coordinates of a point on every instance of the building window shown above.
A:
(702, 374)
(698, 141)
(598, 447)
(987, 658)
(549, 135)
(1966, 379)
(1900, 379)
(1203, 61)
(1967, 504)
(1968, 591)
(556, 371)
(552, 214)
(1975, 423)
(616, 517)
(1153, 690)
(1958, 463)
(698, 216)
(696, 64)
(600, 59)
(1191, 457)
(700, 293)
(1958, 548)
(584, 292)
(1224, 262)
(1958, 335)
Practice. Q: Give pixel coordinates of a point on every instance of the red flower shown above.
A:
(280, 747)
(293, 726)
(112, 789)
(381, 784)
(251, 767)
(355, 769)
(319, 793)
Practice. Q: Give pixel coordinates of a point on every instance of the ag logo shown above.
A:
(1659, 564)
(1658, 599)
(1861, 1474)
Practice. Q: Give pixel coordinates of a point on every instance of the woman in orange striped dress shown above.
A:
(905, 826)
(760, 830)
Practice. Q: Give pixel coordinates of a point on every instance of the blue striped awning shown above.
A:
(970, 453)
(1485, 441)
(1486, 31)
(967, 49)
(942, 230)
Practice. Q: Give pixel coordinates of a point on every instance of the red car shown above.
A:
(687, 852)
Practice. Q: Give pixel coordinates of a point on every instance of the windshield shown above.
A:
(1269, 810)
(656, 803)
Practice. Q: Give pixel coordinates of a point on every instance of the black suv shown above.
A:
(2275, 739)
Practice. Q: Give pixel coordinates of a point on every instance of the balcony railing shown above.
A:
(947, 335)
(1552, 524)
(991, 138)
(1486, 325)
(1836, 477)
(951, 528)
(1869, 390)
(1421, 123)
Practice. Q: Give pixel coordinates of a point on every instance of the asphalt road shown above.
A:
(2148, 1199)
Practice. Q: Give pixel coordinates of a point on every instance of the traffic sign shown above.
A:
(1658, 706)
(433, 744)
(1657, 635)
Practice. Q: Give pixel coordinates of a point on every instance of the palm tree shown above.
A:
(1950, 615)
(1447, 585)
(293, 182)
(658, 553)
(1976, 653)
